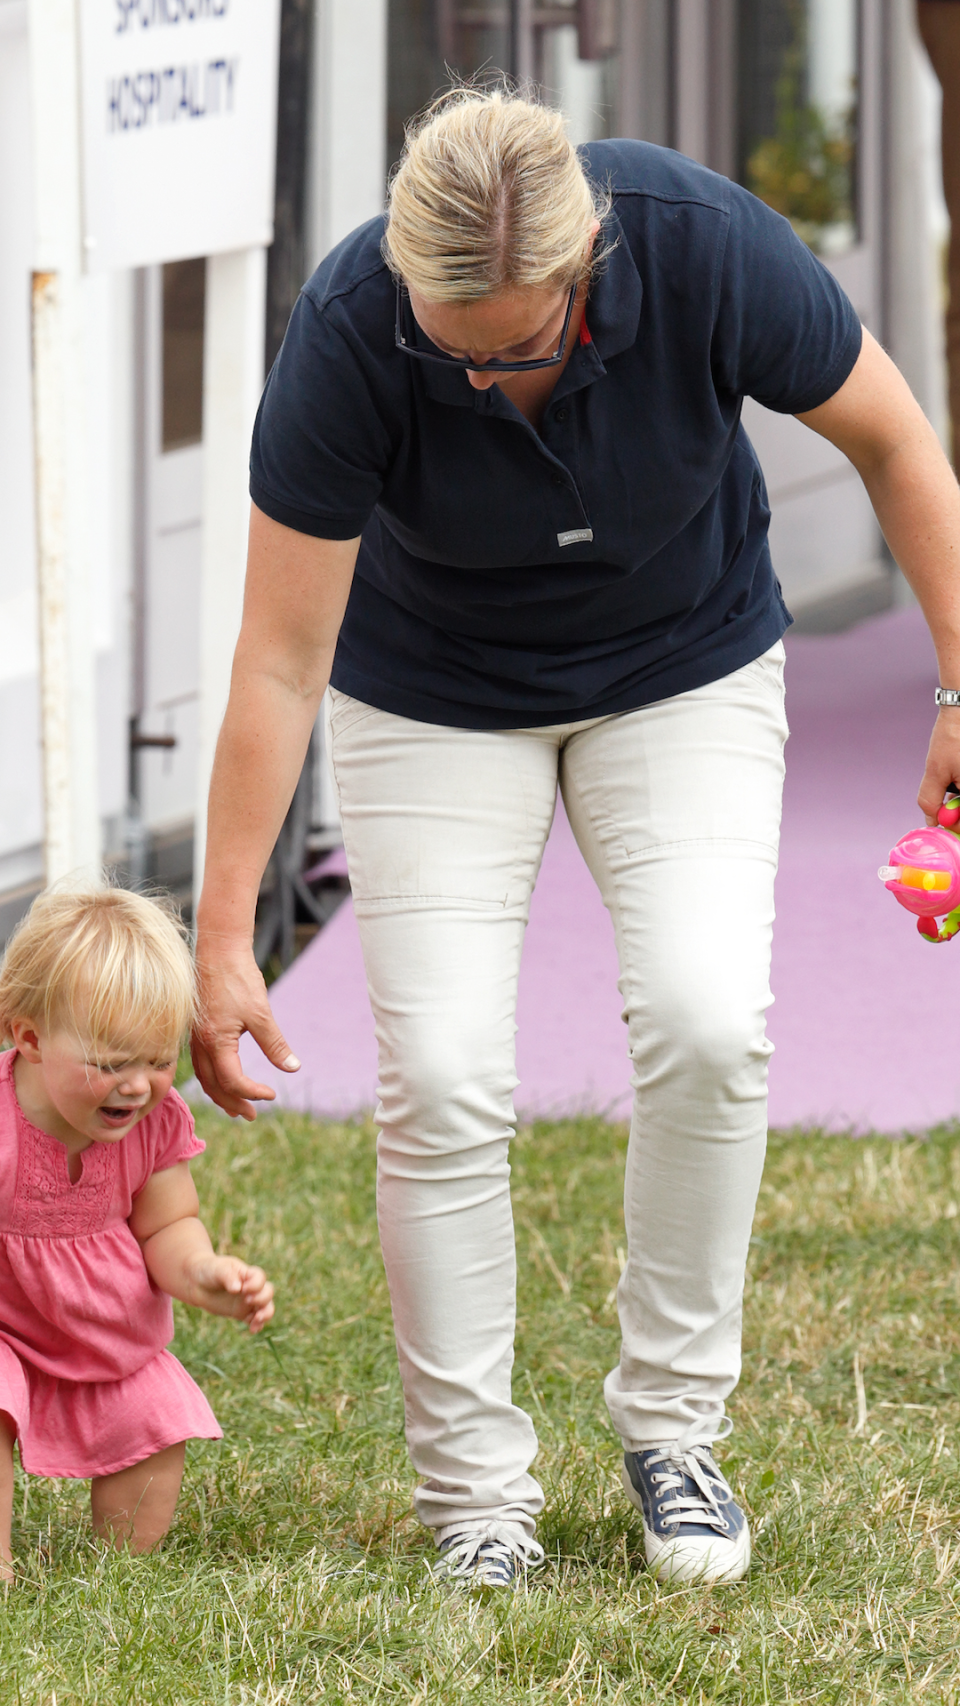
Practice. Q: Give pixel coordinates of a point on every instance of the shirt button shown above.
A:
(557, 480)
(561, 414)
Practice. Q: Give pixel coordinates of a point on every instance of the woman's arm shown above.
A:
(180, 1258)
(296, 593)
(877, 422)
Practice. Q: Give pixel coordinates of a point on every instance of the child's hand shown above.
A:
(224, 1286)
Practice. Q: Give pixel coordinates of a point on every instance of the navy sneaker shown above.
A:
(488, 1557)
(693, 1527)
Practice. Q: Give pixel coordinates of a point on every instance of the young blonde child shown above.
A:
(99, 1224)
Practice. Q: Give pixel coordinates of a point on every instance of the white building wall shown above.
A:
(107, 340)
(20, 795)
(348, 134)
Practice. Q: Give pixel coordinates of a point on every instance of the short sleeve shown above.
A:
(786, 333)
(321, 447)
(172, 1138)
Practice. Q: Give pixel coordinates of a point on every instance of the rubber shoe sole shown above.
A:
(694, 1561)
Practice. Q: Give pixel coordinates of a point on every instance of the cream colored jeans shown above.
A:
(676, 809)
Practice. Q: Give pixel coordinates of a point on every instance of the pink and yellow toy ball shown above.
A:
(924, 873)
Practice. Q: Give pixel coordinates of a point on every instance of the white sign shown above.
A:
(179, 108)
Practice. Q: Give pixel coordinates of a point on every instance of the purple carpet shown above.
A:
(863, 1019)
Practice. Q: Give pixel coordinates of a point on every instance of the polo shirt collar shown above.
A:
(613, 316)
(613, 306)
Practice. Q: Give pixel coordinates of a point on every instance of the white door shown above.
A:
(166, 659)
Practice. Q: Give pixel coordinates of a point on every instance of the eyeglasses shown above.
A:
(492, 366)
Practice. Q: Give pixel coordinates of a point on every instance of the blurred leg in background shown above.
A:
(939, 22)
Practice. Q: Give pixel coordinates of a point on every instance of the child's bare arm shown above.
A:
(180, 1258)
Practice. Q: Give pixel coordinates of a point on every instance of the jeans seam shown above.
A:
(711, 844)
(408, 897)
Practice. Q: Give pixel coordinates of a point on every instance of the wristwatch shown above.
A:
(947, 696)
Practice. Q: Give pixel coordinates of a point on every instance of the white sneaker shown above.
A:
(694, 1530)
(494, 1555)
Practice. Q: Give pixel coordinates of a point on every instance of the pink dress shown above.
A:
(84, 1372)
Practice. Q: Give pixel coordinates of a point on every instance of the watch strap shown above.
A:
(947, 696)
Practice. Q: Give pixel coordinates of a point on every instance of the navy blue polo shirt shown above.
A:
(509, 578)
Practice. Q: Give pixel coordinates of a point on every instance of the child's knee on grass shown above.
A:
(134, 1508)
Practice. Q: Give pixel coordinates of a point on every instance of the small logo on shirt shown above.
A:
(576, 536)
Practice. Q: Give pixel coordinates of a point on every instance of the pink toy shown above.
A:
(924, 873)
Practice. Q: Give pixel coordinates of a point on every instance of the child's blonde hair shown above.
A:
(107, 964)
(490, 195)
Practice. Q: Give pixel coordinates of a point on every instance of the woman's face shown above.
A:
(517, 325)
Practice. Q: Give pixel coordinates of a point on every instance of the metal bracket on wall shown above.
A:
(138, 740)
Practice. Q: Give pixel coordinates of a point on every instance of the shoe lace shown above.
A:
(705, 1504)
(486, 1554)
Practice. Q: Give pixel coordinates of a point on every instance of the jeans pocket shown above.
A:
(769, 666)
(346, 713)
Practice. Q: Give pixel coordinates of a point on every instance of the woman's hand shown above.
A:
(943, 762)
(233, 999)
(875, 420)
(222, 1285)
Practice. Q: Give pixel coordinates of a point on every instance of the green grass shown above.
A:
(295, 1572)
